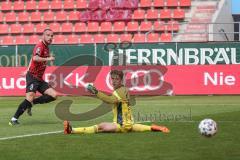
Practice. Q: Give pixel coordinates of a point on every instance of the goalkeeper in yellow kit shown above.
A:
(122, 116)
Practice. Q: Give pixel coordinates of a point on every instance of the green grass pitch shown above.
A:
(180, 113)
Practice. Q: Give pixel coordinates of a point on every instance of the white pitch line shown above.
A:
(55, 132)
(29, 135)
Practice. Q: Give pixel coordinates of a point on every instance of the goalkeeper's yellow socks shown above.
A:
(140, 128)
(91, 129)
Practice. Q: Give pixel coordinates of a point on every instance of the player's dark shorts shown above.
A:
(34, 84)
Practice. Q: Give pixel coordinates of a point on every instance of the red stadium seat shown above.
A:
(179, 13)
(119, 26)
(126, 37)
(6, 6)
(112, 38)
(69, 4)
(36, 16)
(152, 14)
(132, 26)
(28, 28)
(80, 27)
(139, 38)
(145, 3)
(40, 27)
(73, 16)
(158, 3)
(173, 26)
(72, 39)
(61, 16)
(20, 39)
(67, 27)
(138, 14)
(7, 40)
(99, 38)
(43, 5)
(33, 39)
(106, 27)
(23, 16)
(31, 5)
(15, 28)
(56, 5)
(1, 17)
(59, 39)
(10, 17)
(55, 27)
(153, 37)
(48, 16)
(92, 27)
(159, 26)
(145, 26)
(81, 4)
(4, 29)
(165, 14)
(166, 37)
(18, 5)
(172, 3)
(86, 38)
(185, 3)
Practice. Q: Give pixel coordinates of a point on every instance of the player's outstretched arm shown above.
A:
(106, 98)
(41, 59)
(101, 95)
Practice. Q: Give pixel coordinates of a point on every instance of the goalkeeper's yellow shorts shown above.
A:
(124, 128)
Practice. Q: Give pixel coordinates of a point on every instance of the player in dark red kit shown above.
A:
(34, 78)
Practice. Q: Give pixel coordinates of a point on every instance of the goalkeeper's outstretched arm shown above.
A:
(108, 99)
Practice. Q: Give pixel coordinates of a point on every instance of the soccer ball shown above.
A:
(207, 127)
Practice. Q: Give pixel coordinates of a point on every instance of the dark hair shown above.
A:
(117, 72)
(47, 29)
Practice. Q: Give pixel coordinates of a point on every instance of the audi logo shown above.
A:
(140, 80)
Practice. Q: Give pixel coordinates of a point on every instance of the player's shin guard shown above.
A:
(43, 99)
(21, 108)
(140, 128)
(91, 129)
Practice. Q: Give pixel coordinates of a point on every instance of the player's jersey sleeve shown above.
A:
(108, 99)
(119, 95)
(38, 50)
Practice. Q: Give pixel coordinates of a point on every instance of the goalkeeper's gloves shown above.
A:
(92, 89)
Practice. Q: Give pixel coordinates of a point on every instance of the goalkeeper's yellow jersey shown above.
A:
(122, 113)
